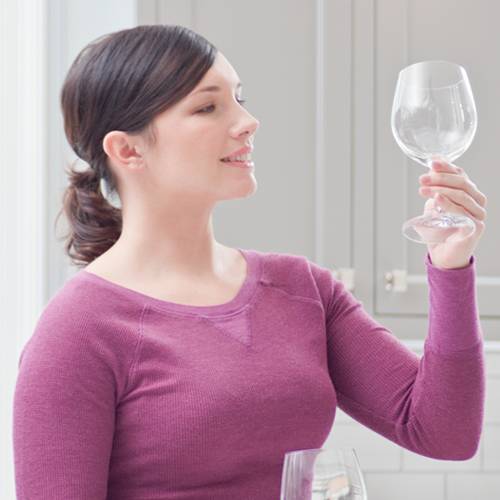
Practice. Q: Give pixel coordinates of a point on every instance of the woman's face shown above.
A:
(192, 137)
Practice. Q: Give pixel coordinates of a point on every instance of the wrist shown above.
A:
(447, 266)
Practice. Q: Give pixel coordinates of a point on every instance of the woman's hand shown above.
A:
(449, 187)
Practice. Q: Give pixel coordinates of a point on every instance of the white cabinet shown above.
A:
(332, 183)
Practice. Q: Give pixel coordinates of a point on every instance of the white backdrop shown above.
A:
(38, 41)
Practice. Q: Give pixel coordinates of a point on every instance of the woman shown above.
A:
(174, 367)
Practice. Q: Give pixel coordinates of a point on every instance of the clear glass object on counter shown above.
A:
(322, 474)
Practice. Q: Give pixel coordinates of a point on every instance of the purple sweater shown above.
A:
(122, 396)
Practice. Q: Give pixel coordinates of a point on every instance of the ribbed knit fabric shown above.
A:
(123, 396)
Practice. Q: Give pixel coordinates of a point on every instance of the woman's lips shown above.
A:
(240, 164)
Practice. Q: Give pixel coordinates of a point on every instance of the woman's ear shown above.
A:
(122, 148)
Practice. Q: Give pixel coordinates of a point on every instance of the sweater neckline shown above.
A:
(239, 301)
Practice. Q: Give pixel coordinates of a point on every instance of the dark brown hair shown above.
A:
(119, 81)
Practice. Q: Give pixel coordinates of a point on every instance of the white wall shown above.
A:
(22, 197)
(38, 41)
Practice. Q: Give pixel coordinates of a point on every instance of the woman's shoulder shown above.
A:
(281, 260)
(80, 315)
(81, 298)
(298, 275)
(285, 262)
(78, 332)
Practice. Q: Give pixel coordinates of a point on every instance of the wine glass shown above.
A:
(434, 118)
(322, 474)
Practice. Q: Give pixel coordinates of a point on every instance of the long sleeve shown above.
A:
(64, 410)
(432, 405)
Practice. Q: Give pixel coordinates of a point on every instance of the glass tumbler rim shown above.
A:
(317, 450)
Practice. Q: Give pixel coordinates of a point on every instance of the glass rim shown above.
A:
(349, 449)
(462, 81)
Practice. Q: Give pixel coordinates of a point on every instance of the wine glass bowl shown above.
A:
(434, 117)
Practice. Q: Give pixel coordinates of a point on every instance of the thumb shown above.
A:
(430, 206)
(428, 233)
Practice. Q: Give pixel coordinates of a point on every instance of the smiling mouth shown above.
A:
(239, 163)
(241, 158)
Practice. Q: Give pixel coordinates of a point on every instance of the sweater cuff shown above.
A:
(453, 314)
(428, 261)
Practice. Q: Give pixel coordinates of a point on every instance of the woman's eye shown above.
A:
(204, 110)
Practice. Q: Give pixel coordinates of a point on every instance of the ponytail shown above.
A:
(95, 223)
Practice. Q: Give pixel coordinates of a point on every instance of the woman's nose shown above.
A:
(254, 124)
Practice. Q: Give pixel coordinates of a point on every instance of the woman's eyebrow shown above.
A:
(214, 88)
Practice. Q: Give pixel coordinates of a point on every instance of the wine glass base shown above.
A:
(438, 228)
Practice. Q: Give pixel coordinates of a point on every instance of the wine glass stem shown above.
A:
(436, 206)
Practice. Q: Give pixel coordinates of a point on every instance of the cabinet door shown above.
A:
(297, 79)
(406, 32)
(332, 183)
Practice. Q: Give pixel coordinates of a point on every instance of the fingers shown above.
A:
(450, 167)
(442, 166)
(447, 180)
(459, 198)
(455, 181)
(451, 207)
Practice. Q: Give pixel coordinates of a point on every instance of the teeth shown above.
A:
(244, 157)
